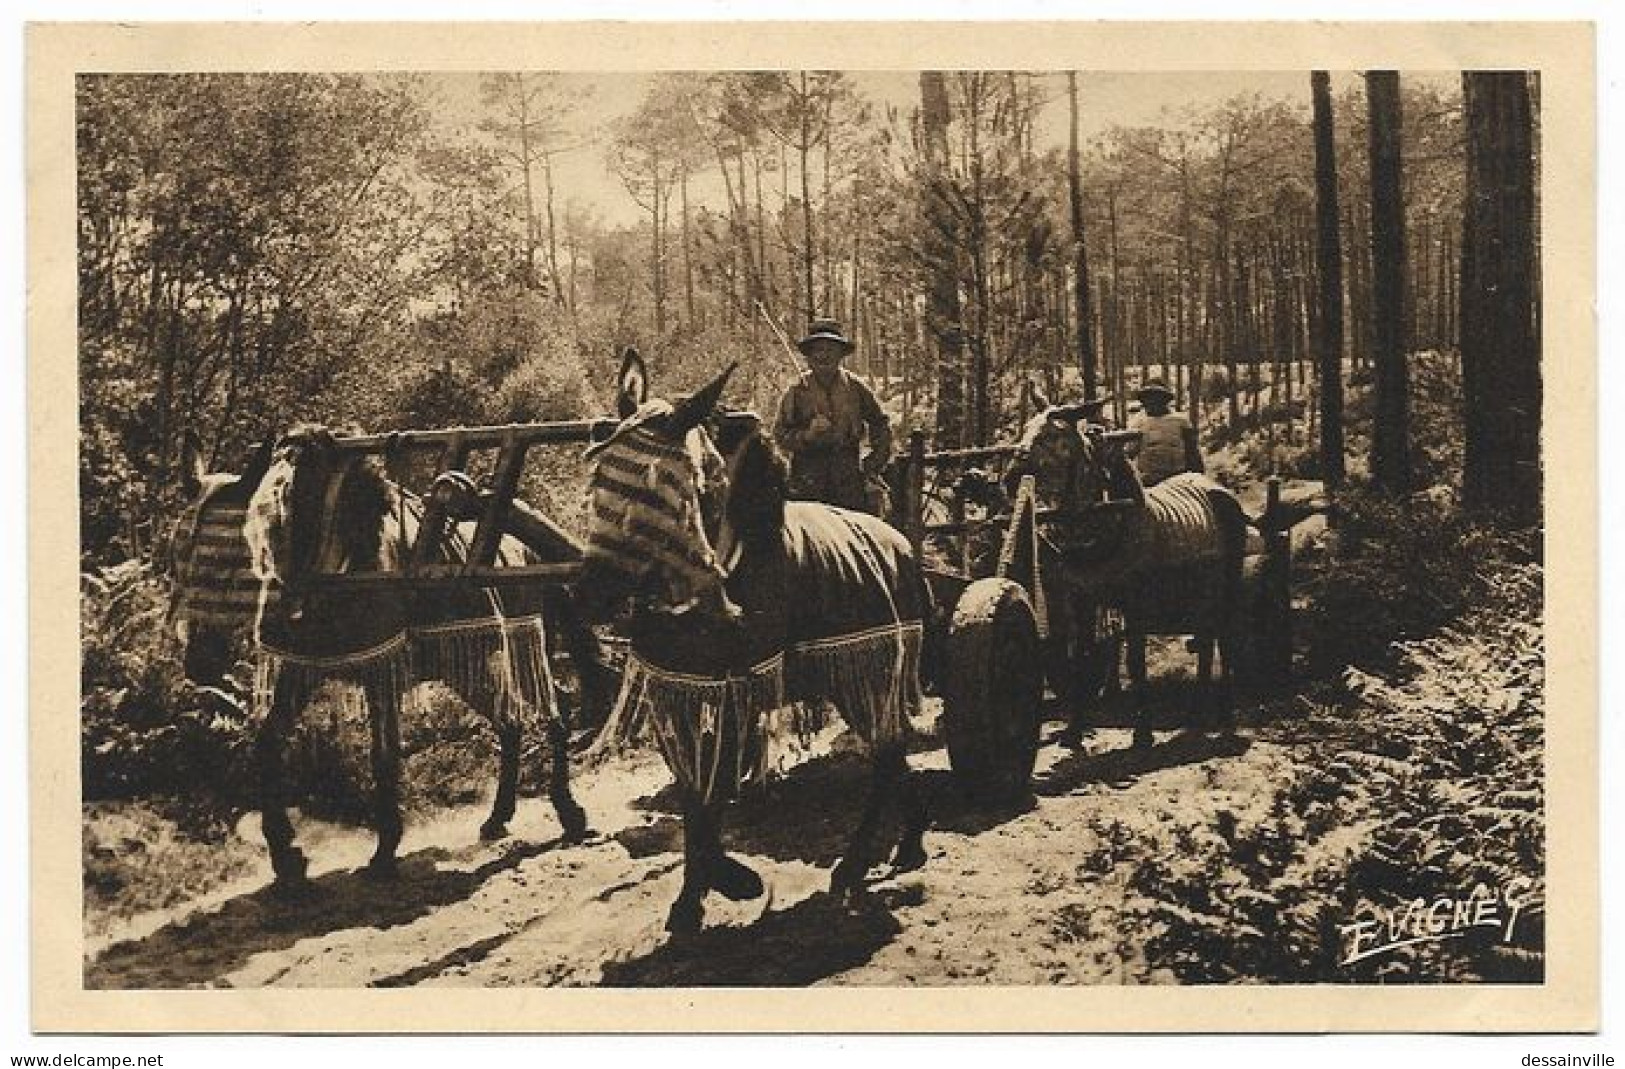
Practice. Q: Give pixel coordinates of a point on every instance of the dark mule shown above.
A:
(743, 603)
(304, 506)
(1170, 562)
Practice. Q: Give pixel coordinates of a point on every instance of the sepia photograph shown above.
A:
(756, 527)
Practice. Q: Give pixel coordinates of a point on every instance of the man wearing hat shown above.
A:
(1168, 444)
(822, 421)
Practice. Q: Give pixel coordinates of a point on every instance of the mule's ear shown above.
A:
(192, 467)
(631, 383)
(1036, 394)
(258, 461)
(692, 410)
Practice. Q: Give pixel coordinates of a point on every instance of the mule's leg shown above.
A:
(572, 818)
(1134, 640)
(728, 877)
(1204, 681)
(1224, 697)
(536, 688)
(506, 726)
(910, 853)
(688, 912)
(883, 784)
(510, 738)
(384, 715)
(596, 677)
(287, 860)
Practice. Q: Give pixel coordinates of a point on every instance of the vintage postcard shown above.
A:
(812, 527)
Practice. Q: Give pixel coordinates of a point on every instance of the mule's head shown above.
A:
(317, 510)
(1059, 448)
(657, 485)
(213, 592)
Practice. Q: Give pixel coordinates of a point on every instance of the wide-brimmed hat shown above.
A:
(825, 330)
(1154, 388)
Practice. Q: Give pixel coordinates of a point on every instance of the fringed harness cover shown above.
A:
(489, 647)
(833, 611)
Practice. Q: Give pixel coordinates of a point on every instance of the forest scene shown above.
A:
(1334, 275)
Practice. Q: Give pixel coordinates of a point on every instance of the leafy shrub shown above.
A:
(145, 728)
(547, 386)
(1393, 570)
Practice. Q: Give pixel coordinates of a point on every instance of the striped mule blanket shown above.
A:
(644, 513)
(1177, 529)
(1180, 525)
(215, 584)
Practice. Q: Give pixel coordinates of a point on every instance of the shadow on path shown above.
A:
(1129, 763)
(202, 949)
(812, 940)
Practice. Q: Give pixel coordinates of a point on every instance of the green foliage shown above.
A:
(1394, 570)
(145, 856)
(244, 240)
(146, 730)
(1422, 782)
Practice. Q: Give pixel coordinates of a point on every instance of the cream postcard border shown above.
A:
(1563, 52)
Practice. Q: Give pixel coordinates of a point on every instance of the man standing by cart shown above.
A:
(822, 421)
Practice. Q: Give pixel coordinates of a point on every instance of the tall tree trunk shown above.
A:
(1080, 253)
(1329, 293)
(1500, 301)
(942, 296)
(1390, 437)
(688, 248)
(554, 281)
(809, 245)
(525, 159)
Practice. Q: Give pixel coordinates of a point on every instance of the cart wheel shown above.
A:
(993, 684)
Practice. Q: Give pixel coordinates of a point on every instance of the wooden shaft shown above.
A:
(504, 482)
(453, 575)
(432, 531)
(575, 430)
(914, 490)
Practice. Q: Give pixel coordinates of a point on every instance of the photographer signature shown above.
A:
(1447, 917)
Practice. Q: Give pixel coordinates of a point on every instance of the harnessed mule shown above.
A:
(242, 553)
(1169, 563)
(743, 603)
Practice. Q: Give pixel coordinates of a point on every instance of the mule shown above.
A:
(243, 555)
(743, 603)
(1168, 563)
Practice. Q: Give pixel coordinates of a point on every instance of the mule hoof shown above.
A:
(1144, 739)
(735, 881)
(292, 888)
(381, 868)
(290, 869)
(492, 830)
(847, 877)
(909, 856)
(686, 917)
(573, 819)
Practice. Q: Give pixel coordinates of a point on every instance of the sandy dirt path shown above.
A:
(1034, 894)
